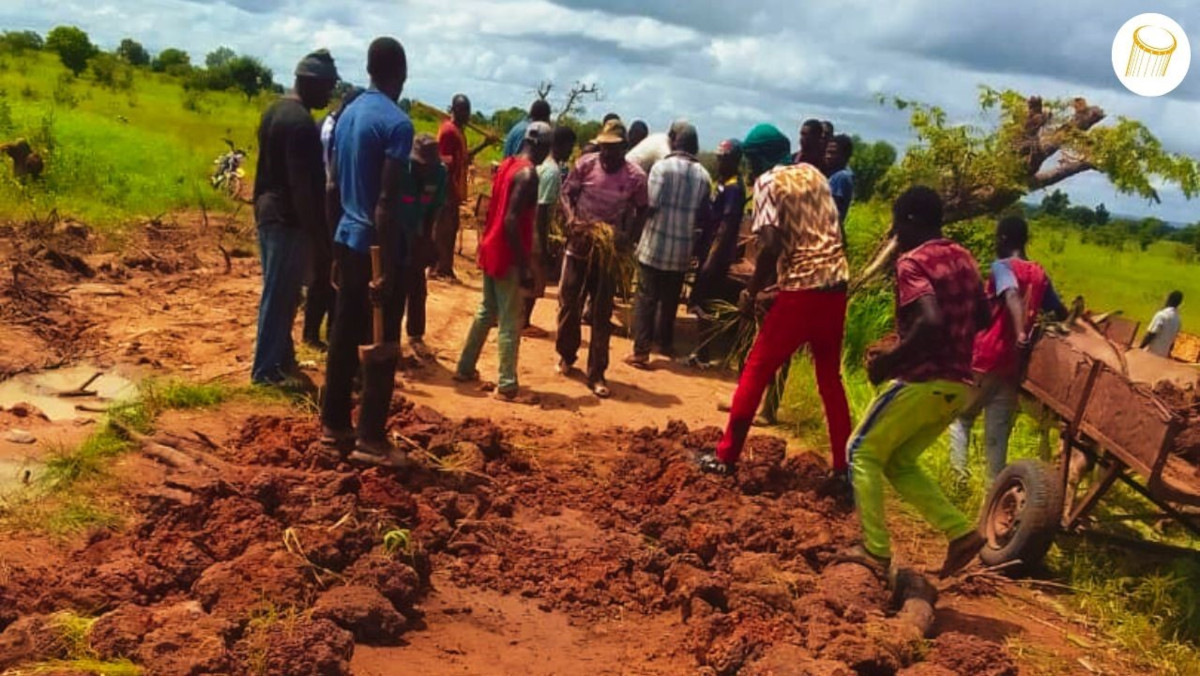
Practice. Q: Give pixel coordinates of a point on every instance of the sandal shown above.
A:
(378, 454)
(638, 361)
(709, 463)
(472, 377)
(564, 368)
(342, 440)
(601, 390)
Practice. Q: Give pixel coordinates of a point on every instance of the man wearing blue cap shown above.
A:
(289, 186)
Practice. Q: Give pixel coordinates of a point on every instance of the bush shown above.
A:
(64, 93)
(172, 61)
(21, 41)
(110, 71)
(73, 47)
(7, 125)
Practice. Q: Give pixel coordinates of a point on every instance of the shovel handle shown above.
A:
(376, 308)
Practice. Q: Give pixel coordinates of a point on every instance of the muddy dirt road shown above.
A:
(572, 536)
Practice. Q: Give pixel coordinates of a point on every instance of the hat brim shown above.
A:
(609, 139)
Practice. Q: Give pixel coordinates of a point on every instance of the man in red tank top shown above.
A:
(504, 257)
(1018, 291)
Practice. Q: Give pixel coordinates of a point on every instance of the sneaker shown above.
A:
(961, 552)
(378, 454)
(600, 389)
(709, 463)
(638, 361)
(342, 440)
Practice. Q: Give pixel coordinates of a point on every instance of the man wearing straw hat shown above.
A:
(288, 191)
(603, 188)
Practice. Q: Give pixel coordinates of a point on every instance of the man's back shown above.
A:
(286, 134)
(678, 187)
(946, 271)
(796, 201)
(371, 129)
(1165, 326)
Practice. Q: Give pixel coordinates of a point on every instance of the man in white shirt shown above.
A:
(1160, 336)
(650, 150)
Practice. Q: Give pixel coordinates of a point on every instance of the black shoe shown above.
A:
(709, 463)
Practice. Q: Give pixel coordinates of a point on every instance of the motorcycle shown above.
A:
(229, 172)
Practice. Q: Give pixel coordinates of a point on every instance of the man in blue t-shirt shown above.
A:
(841, 179)
(538, 112)
(371, 146)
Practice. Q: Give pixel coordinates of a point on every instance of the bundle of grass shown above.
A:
(608, 259)
(731, 324)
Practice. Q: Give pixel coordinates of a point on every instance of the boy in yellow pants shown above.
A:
(940, 305)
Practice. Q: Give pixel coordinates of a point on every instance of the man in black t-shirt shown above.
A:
(289, 189)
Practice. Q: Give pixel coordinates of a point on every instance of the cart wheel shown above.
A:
(1021, 515)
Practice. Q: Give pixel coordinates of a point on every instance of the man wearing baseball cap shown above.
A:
(504, 256)
(422, 197)
(603, 188)
(289, 186)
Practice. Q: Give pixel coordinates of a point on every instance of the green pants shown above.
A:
(501, 304)
(903, 421)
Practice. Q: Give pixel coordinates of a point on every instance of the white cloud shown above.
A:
(724, 65)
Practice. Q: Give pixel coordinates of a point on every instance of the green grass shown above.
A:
(113, 156)
(1133, 281)
(71, 636)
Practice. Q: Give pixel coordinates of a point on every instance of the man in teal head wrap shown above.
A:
(796, 221)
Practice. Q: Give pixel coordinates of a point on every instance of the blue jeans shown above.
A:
(501, 303)
(285, 254)
(999, 400)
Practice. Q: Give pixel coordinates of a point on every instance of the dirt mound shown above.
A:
(277, 560)
(966, 654)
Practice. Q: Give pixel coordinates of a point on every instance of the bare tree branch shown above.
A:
(543, 90)
(578, 91)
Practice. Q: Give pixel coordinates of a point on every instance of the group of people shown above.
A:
(377, 208)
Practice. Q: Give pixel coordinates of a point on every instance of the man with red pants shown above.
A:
(796, 221)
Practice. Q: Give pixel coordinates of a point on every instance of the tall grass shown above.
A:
(113, 155)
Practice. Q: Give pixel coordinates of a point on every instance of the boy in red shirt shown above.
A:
(939, 307)
(1018, 290)
(504, 257)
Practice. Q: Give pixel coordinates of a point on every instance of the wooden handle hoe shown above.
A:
(378, 352)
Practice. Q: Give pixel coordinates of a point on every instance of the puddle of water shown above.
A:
(41, 390)
(12, 473)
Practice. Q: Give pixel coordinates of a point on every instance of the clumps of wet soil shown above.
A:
(275, 563)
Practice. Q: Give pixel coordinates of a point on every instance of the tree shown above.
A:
(1102, 215)
(869, 163)
(73, 47)
(982, 171)
(172, 61)
(1056, 203)
(249, 75)
(219, 58)
(133, 52)
(503, 120)
(1080, 215)
(21, 41)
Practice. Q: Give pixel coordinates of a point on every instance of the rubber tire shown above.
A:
(1039, 520)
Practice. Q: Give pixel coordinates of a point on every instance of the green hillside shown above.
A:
(114, 154)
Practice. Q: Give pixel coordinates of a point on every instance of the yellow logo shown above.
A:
(1151, 54)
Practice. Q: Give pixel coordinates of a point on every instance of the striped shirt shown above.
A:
(796, 201)
(678, 188)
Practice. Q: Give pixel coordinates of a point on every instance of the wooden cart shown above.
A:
(1123, 428)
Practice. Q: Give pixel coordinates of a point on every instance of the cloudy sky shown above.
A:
(726, 65)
